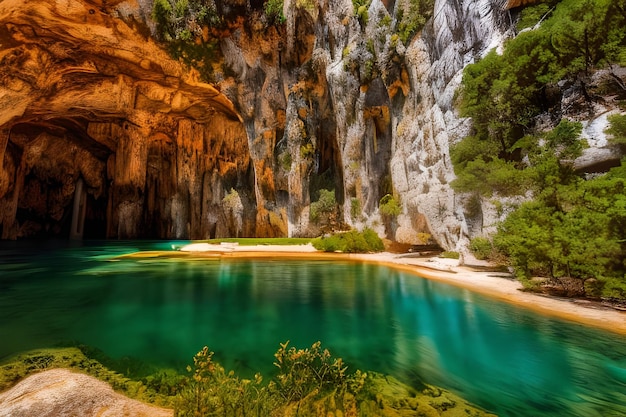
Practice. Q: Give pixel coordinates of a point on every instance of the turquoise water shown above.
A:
(508, 360)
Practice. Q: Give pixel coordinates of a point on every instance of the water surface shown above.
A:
(162, 311)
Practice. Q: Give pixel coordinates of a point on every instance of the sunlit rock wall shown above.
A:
(84, 96)
(459, 33)
(336, 101)
(332, 100)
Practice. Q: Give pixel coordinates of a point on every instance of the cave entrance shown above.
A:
(60, 186)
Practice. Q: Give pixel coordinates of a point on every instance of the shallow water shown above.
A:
(508, 360)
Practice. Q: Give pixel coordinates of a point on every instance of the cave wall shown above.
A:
(85, 96)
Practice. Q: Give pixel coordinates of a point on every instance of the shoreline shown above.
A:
(496, 285)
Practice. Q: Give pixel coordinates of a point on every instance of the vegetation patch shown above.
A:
(352, 241)
(571, 229)
(253, 241)
(308, 381)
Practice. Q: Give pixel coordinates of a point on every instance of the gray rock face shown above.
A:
(364, 114)
(459, 33)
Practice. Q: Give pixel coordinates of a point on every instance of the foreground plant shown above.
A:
(309, 382)
(303, 375)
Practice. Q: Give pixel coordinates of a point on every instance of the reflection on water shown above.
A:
(163, 311)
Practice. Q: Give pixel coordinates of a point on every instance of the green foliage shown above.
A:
(161, 10)
(564, 140)
(324, 207)
(308, 382)
(360, 10)
(585, 33)
(617, 129)
(285, 160)
(307, 151)
(211, 391)
(352, 241)
(302, 371)
(530, 16)
(577, 230)
(389, 206)
(449, 255)
(182, 25)
(412, 19)
(302, 374)
(355, 208)
(274, 11)
(571, 230)
(481, 248)
(180, 8)
(485, 178)
(503, 93)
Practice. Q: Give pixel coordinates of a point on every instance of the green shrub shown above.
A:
(302, 371)
(274, 11)
(211, 391)
(481, 247)
(161, 12)
(449, 255)
(350, 242)
(389, 206)
(324, 207)
(617, 128)
(302, 374)
(355, 208)
(360, 10)
(412, 19)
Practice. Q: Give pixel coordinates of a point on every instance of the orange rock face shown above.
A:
(84, 96)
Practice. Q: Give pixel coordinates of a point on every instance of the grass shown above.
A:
(251, 241)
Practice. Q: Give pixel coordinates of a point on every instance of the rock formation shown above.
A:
(61, 392)
(329, 100)
(84, 96)
(339, 102)
(336, 97)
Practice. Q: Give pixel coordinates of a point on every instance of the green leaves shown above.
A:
(352, 241)
(324, 208)
(389, 206)
(617, 129)
(576, 230)
(302, 373)
(274, 11)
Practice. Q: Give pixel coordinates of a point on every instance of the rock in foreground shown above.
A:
(60, 392)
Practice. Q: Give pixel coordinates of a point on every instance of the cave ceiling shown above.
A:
(77, 85)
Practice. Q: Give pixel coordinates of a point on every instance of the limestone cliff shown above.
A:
(86, 99)
(335, 99)
(97, 120)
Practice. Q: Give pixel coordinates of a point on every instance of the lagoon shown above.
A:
(159, 312)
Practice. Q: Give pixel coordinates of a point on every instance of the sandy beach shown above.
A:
(494, 284)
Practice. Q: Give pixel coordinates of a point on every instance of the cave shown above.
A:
(71, 177)
(104, 135)
(53, 163)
